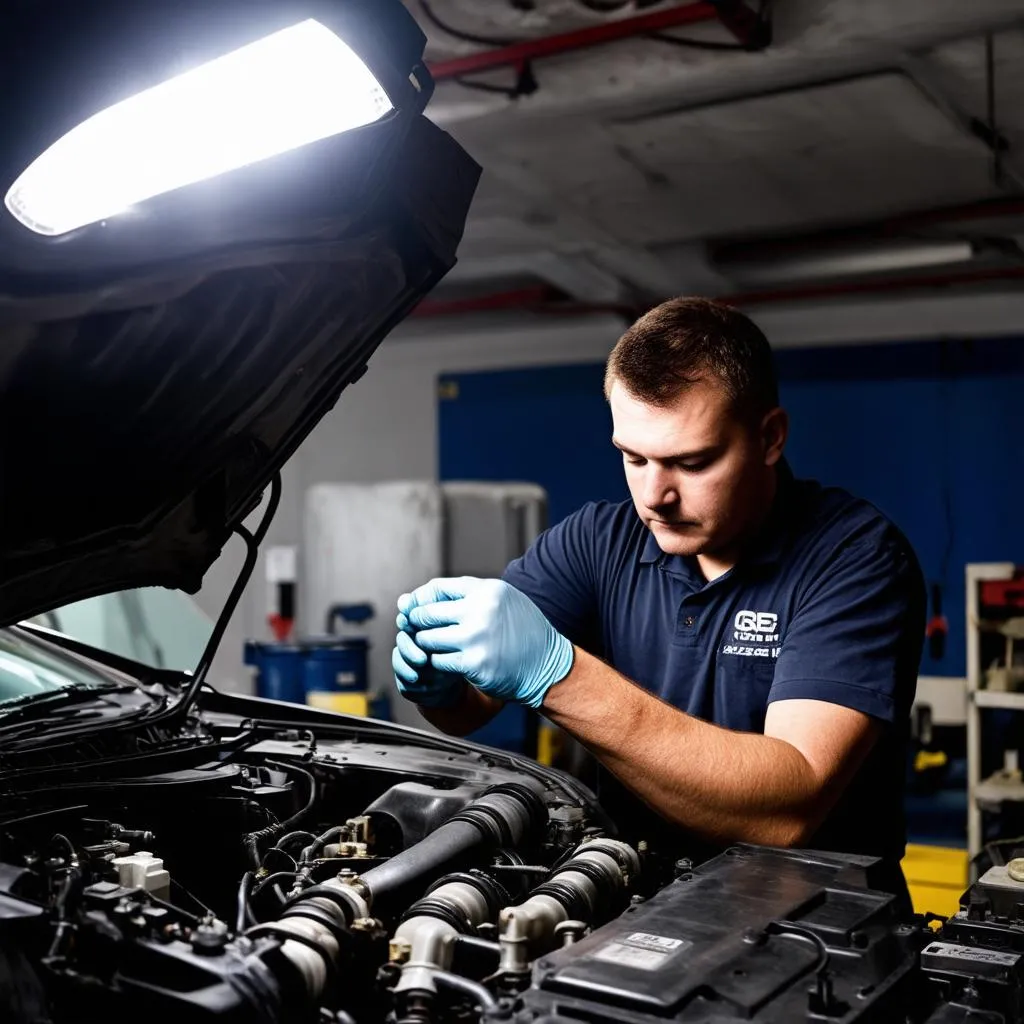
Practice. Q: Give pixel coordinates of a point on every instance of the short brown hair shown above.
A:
(686, 340)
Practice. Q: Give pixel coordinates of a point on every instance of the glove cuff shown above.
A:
(557, 665)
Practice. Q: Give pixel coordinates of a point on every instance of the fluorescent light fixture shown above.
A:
(870, 259)
(286, 90)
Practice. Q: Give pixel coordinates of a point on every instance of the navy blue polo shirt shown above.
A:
(827, 603)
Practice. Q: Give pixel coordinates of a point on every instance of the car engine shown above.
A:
(302, 878)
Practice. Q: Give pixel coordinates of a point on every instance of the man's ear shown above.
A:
(774, 431)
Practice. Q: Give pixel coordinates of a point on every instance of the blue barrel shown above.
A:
(280, 670)
(336, 666)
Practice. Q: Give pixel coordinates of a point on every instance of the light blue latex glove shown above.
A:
(490, 633)
(416, 679)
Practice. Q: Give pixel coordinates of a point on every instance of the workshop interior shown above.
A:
(306, 302)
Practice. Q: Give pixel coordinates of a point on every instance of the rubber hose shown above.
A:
(312, 851)
(244, 889)
(438, 852)
(253, 839)
(506, 815)
(464, 986)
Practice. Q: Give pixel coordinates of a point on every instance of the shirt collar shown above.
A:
(770, 543)
(651, 553)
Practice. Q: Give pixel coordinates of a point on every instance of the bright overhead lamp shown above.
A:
(293, 87)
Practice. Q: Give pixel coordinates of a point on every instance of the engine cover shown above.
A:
(755, 934)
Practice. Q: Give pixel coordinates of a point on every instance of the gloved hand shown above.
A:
(416, 679)
(490, 633)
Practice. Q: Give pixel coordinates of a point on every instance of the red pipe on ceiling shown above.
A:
(593, 35)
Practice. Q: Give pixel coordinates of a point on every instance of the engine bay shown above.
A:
(306, 878)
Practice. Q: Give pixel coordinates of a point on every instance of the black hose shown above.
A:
(242, 912)
(253, 839)
(437, 852)
(292, 836)
(276, 859)
(466, 987)
(319, 842)
(506, 815)
(70, 880)
(475, 942)
(60, 837)
(252, 848)
(271, 879)
(791, 931)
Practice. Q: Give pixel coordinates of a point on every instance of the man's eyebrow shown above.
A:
(624, 449)
(700, 453)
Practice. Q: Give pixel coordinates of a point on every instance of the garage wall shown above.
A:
(385, 427)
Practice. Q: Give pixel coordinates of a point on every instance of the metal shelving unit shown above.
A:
(994, 699)
(979, 698)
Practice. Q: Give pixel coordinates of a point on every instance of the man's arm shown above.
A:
(845, 671)
(774, 789)
(848, 657)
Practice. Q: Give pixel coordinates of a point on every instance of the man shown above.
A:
(737, 647)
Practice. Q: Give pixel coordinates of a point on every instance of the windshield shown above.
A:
(154, 626)
(29, 667)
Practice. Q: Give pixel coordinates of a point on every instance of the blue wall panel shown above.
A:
(931, 432)
(549, 426)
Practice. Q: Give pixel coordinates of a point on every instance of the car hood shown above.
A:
(150, 392)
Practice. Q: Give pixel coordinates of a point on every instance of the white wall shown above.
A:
(385, 426)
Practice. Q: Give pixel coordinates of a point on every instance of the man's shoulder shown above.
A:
(602, 536)
(845, 541)
(582, 541)
(833, 518)
(608, 524)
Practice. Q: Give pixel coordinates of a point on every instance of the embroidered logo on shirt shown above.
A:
(756, 635)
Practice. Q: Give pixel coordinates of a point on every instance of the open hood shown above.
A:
(156, 373)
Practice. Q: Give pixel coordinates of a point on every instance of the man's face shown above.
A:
(699, 476)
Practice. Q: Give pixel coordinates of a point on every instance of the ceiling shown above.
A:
(639, 168)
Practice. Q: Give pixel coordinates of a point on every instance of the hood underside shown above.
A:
(145, 407)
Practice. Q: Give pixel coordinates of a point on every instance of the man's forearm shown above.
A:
(728, 786)
(474, 710)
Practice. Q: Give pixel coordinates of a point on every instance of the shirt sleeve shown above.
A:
(557, 574)
(857, 635)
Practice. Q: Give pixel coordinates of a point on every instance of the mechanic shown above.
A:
(738, 647)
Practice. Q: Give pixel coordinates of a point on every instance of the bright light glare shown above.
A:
(281, 92)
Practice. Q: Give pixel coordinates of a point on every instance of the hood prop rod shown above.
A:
(252, 545)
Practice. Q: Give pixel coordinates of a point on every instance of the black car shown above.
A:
(171, 853)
